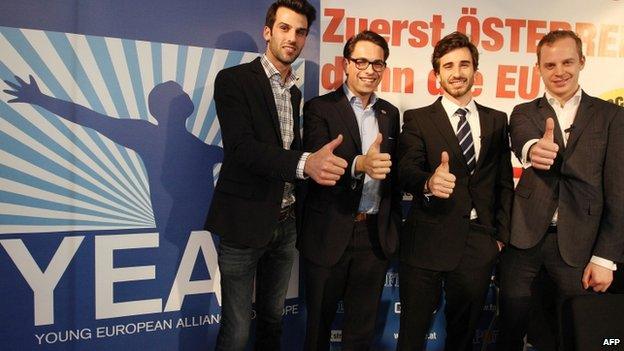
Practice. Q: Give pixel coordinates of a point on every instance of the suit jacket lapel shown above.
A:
(486, 122)
(267, 92)
(546, 111)
(443, 124)
(346, 114)
(295, 100)
(383, 122)
(584, 114)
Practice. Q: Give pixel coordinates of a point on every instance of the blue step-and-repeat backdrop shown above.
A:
(110, 149)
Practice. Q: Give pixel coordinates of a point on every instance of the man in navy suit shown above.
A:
(350, 230)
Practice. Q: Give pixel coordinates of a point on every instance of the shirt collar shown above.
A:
(574, 100)
(352, 98)
(451, 107)
(273, 73)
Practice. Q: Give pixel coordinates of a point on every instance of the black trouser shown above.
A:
(518, 270)
(358, 279)
(465, 288)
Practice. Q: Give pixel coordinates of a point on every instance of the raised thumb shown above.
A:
(332, 145)
(444, 161)
(549, 132)
(375, 146)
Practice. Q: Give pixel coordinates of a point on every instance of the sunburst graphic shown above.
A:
(58, 174)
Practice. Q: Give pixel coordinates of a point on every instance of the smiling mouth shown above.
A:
(457, 83)
(561, 82)
(290, 49)
(369, 80)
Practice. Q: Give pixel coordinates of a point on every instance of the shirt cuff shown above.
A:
(603, 262)
(426, 190)
(301, 166)
(353, 175)
(525, 153)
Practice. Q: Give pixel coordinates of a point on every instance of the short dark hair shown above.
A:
(555, 35)
(366, 35)
(301, 7)
(455, 40)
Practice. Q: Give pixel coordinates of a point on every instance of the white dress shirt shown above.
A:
(475, 127)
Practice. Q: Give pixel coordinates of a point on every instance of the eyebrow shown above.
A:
(450, 63)
(291, 26)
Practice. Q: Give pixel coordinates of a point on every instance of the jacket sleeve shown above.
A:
(239, 139)
(504, 187)
(412, 156)
(610, 241)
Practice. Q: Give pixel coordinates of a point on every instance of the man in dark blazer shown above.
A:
(349, 230)
(568, 210)
(252, 207)
(454, 159)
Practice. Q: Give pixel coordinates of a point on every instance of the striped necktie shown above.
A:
(465, 139)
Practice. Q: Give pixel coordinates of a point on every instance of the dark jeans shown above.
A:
(271, 265)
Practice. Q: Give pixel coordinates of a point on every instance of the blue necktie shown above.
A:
(465, 139)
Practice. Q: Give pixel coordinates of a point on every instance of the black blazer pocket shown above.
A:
(243, 190)
(593, 208)
(524, 191)
(389, 144)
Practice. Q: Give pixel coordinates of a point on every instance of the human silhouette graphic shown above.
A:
(178, 164)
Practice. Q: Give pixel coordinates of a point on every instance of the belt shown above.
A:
(286, 212)
(551, 229)
(361, 217)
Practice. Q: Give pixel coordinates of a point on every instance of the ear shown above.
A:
(345, 63)
(582, 62)
(537, 67)
(266, 33)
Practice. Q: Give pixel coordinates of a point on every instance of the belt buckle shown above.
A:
(361, 216)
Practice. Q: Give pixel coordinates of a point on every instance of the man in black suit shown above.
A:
(454, 159)
(568, 206)
(252, 207)
(349, 230)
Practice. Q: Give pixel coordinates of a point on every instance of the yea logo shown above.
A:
(110, 151)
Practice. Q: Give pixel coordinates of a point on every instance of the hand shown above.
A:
(374, 163)
(442, 182)
(544, 152)
(323, 166)
(24, 92)
(597, 277)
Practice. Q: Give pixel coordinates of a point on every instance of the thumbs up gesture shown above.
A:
(375, 163)
(442, 181)
(543, 153)
(325, 167)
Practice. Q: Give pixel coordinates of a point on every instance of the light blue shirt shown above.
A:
(367, 123)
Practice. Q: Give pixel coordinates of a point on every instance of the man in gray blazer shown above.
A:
(568, 210)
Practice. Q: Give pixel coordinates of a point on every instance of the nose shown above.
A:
(455, 72)
(369, 68)
(292, 35)
(559, 70)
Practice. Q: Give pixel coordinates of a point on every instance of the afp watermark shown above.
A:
(610, 342)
